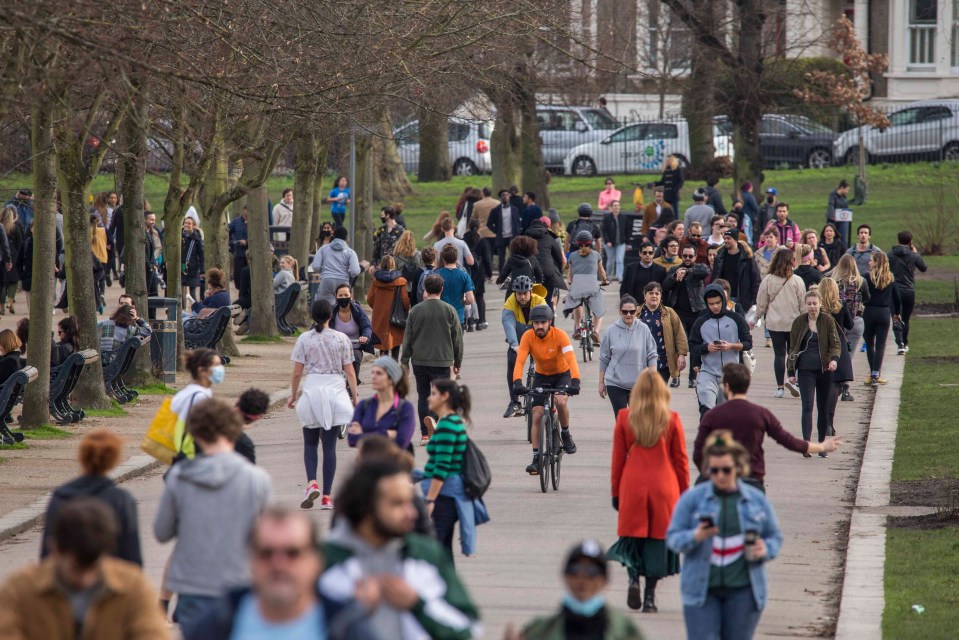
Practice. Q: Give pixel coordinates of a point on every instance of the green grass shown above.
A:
(113, 412)
(46, 432)
(256, 339)
(10, 447)
(155, 389)
(922, 567)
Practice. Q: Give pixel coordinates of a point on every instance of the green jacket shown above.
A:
(829, 347)
(618, 627)
(433, 336)
(445, 611)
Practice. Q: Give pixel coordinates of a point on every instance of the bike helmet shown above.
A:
(584, 210)
(540, 313)
(584, 237)
(522, 284)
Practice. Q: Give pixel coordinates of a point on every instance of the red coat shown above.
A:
(648, 481)
(380, 298)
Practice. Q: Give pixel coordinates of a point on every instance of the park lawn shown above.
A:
(922, 565)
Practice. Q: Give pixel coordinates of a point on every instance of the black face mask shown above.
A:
(343, 303)
(770, 199)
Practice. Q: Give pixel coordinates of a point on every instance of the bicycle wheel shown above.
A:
(528, 407)
(545, 452)
(556, 459)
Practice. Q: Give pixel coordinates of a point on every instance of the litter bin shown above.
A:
(314, 280)
(163, 344)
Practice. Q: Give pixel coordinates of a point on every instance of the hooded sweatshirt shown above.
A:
(548, 253)
(710, 327)
(903, 262)
(625, 352)
(209, 504)
(336, 261)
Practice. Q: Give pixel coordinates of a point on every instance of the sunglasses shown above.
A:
(628, 312)
(647, 253)
(290, 553)
(580, 570)
(715, 471)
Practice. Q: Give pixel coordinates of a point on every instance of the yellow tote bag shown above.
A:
(160, 439)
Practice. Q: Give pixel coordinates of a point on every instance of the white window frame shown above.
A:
(921, 41)
(954, 53)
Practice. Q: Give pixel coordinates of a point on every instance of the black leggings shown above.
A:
(780, 347)
(876, 322)
(908, 298)
(618, 397)
(480, 298)
(444, 521)
(311, 439)
(815, 386)
(834, 395)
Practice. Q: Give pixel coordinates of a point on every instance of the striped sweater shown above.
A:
(446, 448)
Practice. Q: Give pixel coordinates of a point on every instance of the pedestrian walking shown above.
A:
(387, 295)
(750, 214)
(843, 375)
(863, 249)
(820, 259)
(813, 356)
(781, 298)
(480, 272)
(192, 262)
(883, 303)
(608, 196)
(387, 413)
(904, 260)
(806, 265)
(853, 293)
(336, 263)
(209, 505)
(457, 285)
(323, 362)
(727, 532)
(649, 473)
(11, 277)
(657, 213)
(718, 337)
(616, 233)
(837, 211)
(350, 320)
(832, 244)
(734, 263)
(206, 370)
(238, 235)
(386, 236)
(683, 287)
(672, 182)
(628, 347)
(668, 332)
(339, 199)
(522, 261)
(641, 272)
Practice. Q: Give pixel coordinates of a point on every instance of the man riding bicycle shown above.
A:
(555, 367)
(586, 274)
(515, 324)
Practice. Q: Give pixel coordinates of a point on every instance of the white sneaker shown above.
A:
(779, 393)
(902, 351)
(311, 495)
(793, 389)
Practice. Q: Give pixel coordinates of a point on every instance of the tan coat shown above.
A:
(33, 606)
(780, 301)
(380, 298)
(674, 339)
(481, 211)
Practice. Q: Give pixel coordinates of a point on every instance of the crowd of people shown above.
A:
(689, 297)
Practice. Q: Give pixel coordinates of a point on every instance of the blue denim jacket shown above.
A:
(755, 512)
(471, 513)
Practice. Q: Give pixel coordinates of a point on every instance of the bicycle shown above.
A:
(550, 441)
(586, 332)
(528, 400)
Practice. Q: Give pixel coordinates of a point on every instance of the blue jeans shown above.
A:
(189, 609)
(614, 258)
(729, 614)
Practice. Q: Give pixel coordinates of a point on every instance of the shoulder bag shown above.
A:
(398, 314)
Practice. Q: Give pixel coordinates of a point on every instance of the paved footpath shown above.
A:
(516, 572)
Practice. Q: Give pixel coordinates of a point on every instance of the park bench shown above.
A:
(284, 304)
(205, 333)
(64, 381)
(114, 370)
(11, 394)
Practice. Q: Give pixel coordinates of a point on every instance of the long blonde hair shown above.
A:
(293, 263)
(406, 245)
(880, 275)
(649, 408)
(829, 295)
(8, 219)
(847, 271)
(672, 162)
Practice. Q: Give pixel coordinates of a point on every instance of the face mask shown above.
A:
(343, 303)
(587, 609)
(217, 374)
(770, 199)
(383, 219)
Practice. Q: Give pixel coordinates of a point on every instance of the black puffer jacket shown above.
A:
(903, 262)
(549, 254)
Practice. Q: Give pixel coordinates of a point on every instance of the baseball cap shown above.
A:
(772, 191)
(588, 549)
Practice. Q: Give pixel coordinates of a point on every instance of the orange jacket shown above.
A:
(552, 355)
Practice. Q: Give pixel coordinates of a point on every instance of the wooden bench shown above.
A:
(205, 333)
(11, 394)
(284, 304)
(62, 383)
(114, 370)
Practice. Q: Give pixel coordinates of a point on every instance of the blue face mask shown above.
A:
(587, 609)
(217, 374)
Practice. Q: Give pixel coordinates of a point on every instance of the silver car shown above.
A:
(920, 130)
(468, 146)
(563, 128)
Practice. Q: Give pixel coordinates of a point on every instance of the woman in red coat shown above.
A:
(387, 284)
(649, 471)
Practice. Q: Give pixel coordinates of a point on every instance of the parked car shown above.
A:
(635, 148)
(468, 146)
(920, 130)
(789, 139)
(562, 128)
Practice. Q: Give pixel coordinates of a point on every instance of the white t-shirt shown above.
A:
(188, 396)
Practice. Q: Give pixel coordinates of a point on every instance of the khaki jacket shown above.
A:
(33, 606)
(674, 339)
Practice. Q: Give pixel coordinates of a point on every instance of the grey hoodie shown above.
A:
(625, 352)
(336, 261)
(209, 504)
(709, 327)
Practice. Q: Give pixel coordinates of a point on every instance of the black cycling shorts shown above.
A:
(540, 380)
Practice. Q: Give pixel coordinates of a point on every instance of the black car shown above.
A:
(793, 140)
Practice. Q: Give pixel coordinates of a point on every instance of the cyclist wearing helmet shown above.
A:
(583, 223)
(555, 366)
(586, 273)
(516, 322)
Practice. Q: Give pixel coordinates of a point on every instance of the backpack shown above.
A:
(476, 472)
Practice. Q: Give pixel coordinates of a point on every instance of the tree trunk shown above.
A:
(434, 162)
(36, 400)
(389, 179)
(699, 95)
(263, 322)
(304, 179)
(534, 170)
(319, 193)
(363, 208)
(746, 103)
(505, 143)
(133, 163)
(82, 296)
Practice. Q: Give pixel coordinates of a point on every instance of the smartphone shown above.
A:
(706, 520)
(717, 342)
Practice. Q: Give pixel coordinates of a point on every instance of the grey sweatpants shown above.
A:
(709, 391)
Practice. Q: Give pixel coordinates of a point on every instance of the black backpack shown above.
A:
(476, 473)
